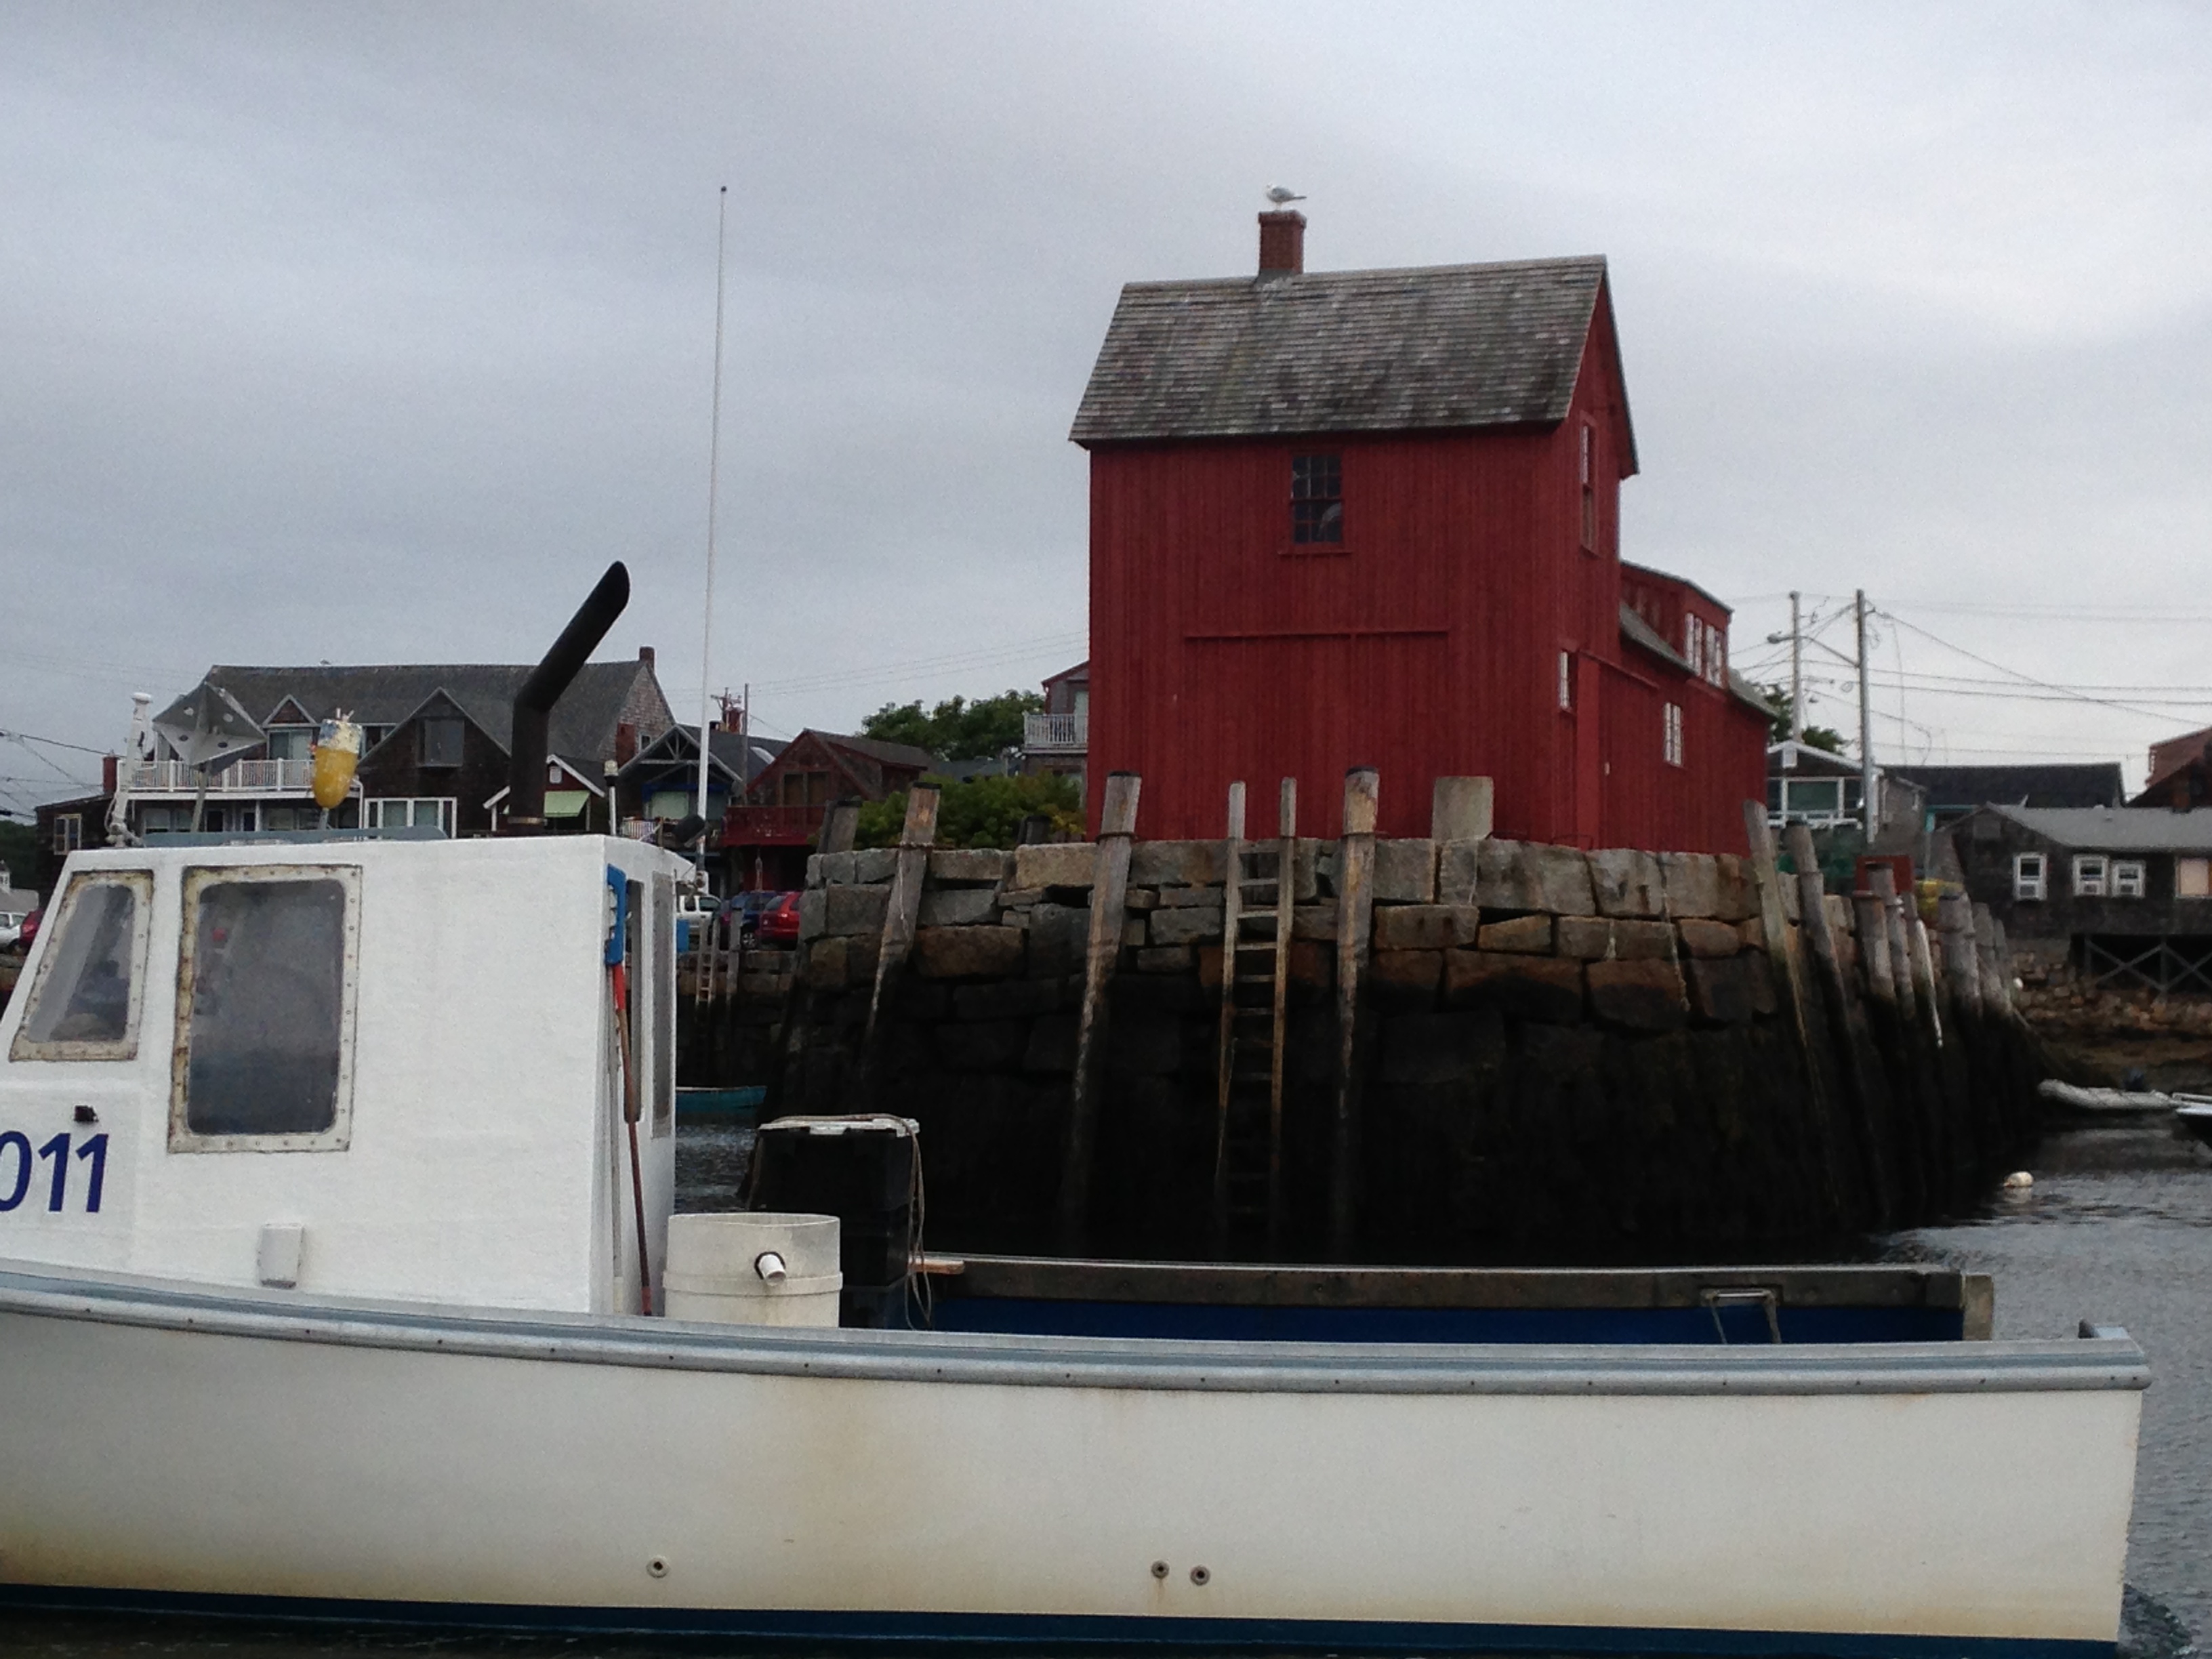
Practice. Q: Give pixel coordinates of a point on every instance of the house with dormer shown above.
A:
(435, 738)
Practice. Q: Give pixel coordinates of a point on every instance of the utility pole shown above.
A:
(1797, 673)
(1868, 804)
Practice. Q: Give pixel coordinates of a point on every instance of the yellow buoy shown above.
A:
(337, 752)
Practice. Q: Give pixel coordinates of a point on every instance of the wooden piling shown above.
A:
(1954, 926)
(1923, 976)
(916, 836)
(841, 826)
(1774, 928)
(1355, 913)
(1110, 888)
(1882, 882)
(1996, 991)
(1841, 1042)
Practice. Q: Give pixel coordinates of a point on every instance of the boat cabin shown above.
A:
(359, 1067)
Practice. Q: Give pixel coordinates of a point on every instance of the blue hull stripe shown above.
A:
(1058, 1631)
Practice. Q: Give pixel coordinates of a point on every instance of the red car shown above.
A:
(778, 929)
(29, 932)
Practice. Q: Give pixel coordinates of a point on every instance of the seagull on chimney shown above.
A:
(1283, 196)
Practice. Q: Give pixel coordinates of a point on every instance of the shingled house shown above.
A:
(437, 747)
(2124, 892)
(1371, 517)
(767, 836)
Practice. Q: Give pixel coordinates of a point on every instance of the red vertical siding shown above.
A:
(1427, 645)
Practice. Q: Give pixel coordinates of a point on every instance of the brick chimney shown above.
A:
(108, 766)
(645, 655)
(1282, 243)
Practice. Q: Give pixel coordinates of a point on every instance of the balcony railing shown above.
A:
(246, 777)
(770, 826)
(1066, 734)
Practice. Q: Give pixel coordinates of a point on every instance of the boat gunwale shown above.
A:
(2102, 1362)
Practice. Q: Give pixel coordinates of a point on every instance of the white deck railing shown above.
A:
(246, 777)
(1047, 732)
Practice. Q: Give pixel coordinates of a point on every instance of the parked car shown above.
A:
(28, 933)
(694, 913)
(11, 929)
(741, 914)
(779, 924)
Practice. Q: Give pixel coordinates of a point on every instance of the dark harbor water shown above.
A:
(2117, 1228)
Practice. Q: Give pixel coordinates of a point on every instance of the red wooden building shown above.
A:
(1370, 517)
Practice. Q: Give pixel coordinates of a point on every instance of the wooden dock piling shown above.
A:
(1110, 888)
(1355, 911)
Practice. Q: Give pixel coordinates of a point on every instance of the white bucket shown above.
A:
(753, 1268)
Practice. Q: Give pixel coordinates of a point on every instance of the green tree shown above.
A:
(1777, 704)
(982, 812)
(957, 729)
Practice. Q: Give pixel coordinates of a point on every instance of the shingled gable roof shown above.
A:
(582, 724)
(1431, 347)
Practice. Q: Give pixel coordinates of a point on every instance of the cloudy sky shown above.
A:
(368, 333)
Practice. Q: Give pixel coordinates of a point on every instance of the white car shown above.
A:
(11, 929)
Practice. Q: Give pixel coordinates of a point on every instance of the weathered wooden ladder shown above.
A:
(1257, 913)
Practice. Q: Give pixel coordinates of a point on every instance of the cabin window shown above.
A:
(2192, 877)
(440, 742)
(1316, 500)
(2089, 875)
(264, 1004)
(2027, 876)
(1567, 680)
(1587, 468)
(68, 832)
(1671, 738)
(290, 743)
(2127, 878)
(84, 1003)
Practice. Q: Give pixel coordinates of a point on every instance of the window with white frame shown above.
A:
(417, 812)
(1694, 643)
(2090, 875)
(1671, 740)
(69, 831)
(2127, 878)
(2029, 874)
(1715, 655)
(1566, 679)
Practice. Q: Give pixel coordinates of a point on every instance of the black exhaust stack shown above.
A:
(526, 775)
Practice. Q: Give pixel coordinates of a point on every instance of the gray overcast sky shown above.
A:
(372, 332)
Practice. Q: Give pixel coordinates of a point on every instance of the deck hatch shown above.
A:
(84, 1003)
(265, 992)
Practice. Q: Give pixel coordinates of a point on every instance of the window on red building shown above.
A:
(1589, 487)
(1671, 738)
(1316, 498)
(1566, 680)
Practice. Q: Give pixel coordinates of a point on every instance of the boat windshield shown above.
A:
(84, 1004)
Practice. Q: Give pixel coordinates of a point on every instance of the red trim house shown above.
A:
(768, 837)
(1371, 518)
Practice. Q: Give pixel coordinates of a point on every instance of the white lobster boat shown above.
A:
(321, 1298)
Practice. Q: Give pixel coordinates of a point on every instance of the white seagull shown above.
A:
(1283, 196)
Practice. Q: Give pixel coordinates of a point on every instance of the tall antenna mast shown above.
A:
(714, 477)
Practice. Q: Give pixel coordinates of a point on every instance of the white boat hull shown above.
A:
(259, 1452)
